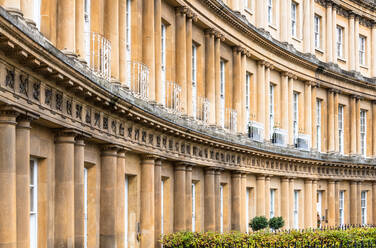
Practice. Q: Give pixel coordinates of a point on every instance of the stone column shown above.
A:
(157, 49)
(313, 116)
(27, 8)
(179, 198)
(373, 50)
(285, 201)
(308, 203)
(291, 195)
(188, 198)
(284, 106)
(64, 189)
(336, 206)
(120, 198)
(261, 14)
(189, 64)
(242, 122)
(358, 146)
(336, 135)
(314, 204)
(284, 21)
(22, 180)
(66, 25)
(267, 129)
(308, 109)
(331, 203)
(353, 202)
(79, 212)
(307, 27)
(157, 201)
(209, 199)
(312, 24)
(374, 129)
(243, 193)
(331, 141)
(108, 196)
(329, 33)
(235, 200)
(217, 74)
(260, 196)
(291, 112)
(147, 213)
(261, 93)
(15, 4)
(111, 32)
(374, 202)
(353, 134)
(359, 212)
(237, 87)
(148, 48)
(79, 32)
(123, 63)
(210, 88)
(356, 39)
(181, 55)
(334, 33)
(352, 50)
(267, 197)
(217, 191)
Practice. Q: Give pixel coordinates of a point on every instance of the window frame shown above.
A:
(318, 124)
(341, 129)
(272, 203)
(222, 90)
(363, 132)
(194, 79)
(271, 109)
(295, 115)
(270, 12)
(341, 207)
(339, 41)
(296, 209)
(294, 17)
(193, 207)
(317, 31)
(362, 50)
(363, 207)
(33, 214)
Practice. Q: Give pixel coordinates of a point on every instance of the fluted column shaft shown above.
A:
(64, 190)
(353, 202)
(331, 203)
(111, 32)
(189, 66)
(66, 25)
(237, 87)
(120, 199)
(261, 93)
(236, 201)
(157, 201)
(284, 101)
(209, 200)
(308, 108)
(217, 192)
(260, 196)
(157, 49)
(329, 33)
(285, 201)
(23, 182)
(148, 48)
(353, 135)
(108, 197)
(210, 88)
(313, 116)
(147, 212)
(79, 212)
(308, 203)
(181, 55)
(188, 198)
(179, 198)
(291, 195)
(352, 49)
(331, 141)
(123, 63)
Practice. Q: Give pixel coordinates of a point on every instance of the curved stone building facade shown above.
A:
(122, 120)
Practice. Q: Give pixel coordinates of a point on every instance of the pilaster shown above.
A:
(260, 195)
(210, 76)
(307, 26)
(237, 87)
(356, 41)
(179, 197)
(66, 25)
(334, 33)
(181, 54)
(352, 49)
(209, 200)
(188, 197)
(261, 93)
(313, 117)
(329, 33)
(157, 50)
(157, 200)
(353, 126)
(308, 203)
(308, 108)
(235, 200)
(217, 192)
(285, 201)
(331, 203)
(331, 140)
(353, 202)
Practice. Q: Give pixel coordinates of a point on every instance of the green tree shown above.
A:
(276, 223)
(258, 223)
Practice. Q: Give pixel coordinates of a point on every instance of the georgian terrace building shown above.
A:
(124, 119)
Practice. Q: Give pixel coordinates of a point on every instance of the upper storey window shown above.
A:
(270, 11)
(339, 42)
(317, 26)
(362, 50)
(340, 129)
(163, 61)
(294, 9)
(295, 116)
(318, 124)
(271, 109)
(222, 90)
(194, 78)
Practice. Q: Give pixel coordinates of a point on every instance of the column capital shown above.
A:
(261, 62)
(158, 162)
(331, 181)
(285, 74)
(244, 175)
(181, 10)
(210, 171)
(220, 36)
(238, 49)
(218, 172)
(209, 32)
(310, 83)
(180, 167)
(351, 14)
(269, 66)
(110, 150)
(192, 15)
(329, 3)
(154, 157)
(308, 181)
(66, 135)
(236, 174)
(260, 177)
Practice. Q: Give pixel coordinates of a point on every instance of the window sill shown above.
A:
(319, 50)
(296, 39)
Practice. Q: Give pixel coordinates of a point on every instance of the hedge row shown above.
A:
(266, 238)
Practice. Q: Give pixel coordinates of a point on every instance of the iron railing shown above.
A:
(173, 97)
(98, 56)
(231, 118)
(202, 109)
(138, 79)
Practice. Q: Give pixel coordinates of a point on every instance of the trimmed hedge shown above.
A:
(265, 238)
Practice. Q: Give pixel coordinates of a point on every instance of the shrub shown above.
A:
(276, 223)
(258, 223)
